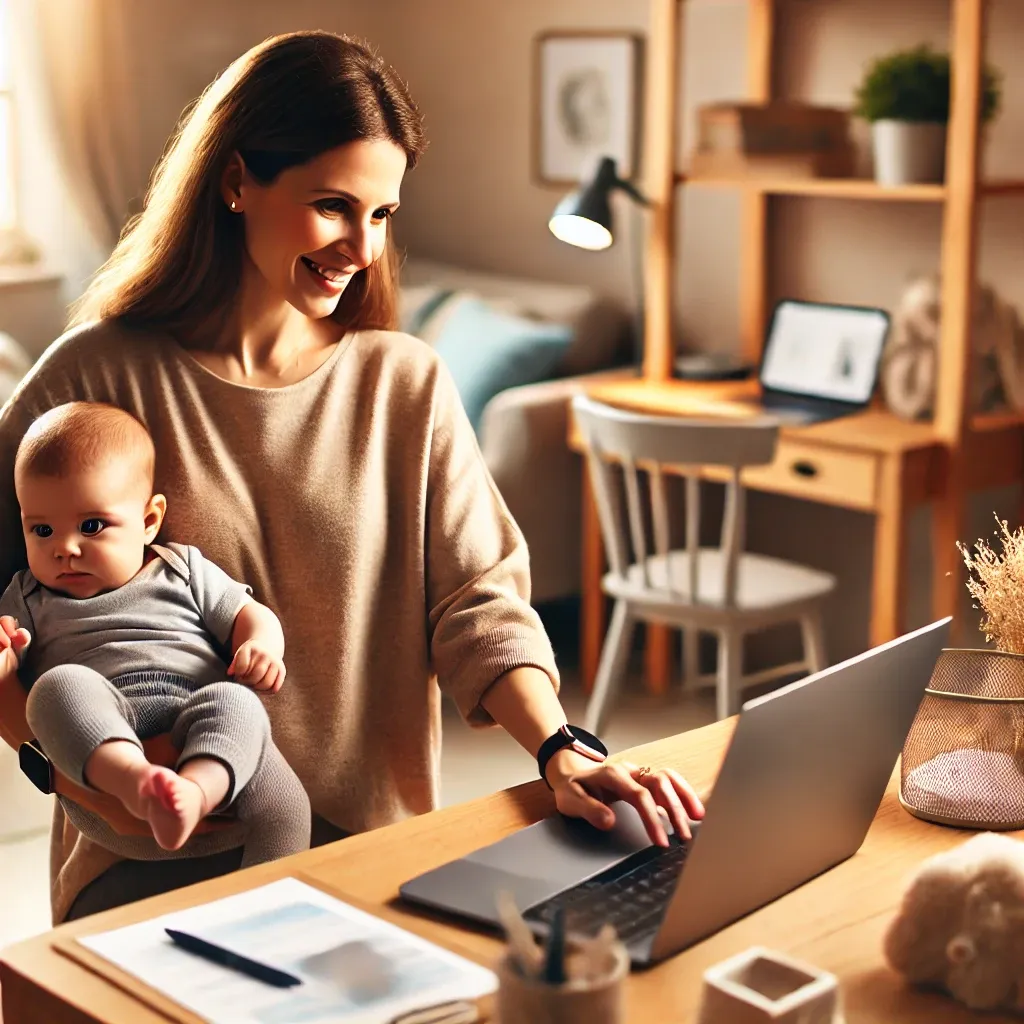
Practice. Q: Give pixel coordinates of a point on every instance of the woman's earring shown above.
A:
(234, 206)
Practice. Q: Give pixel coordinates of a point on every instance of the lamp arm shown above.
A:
(632, 191)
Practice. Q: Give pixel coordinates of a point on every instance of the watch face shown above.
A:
(36, 765)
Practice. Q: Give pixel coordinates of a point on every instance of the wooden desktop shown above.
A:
(835, 921)
(871, 462)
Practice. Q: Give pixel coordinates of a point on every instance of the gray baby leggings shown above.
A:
(72, 709)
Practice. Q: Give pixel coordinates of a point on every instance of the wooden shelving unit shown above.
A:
(954, 427)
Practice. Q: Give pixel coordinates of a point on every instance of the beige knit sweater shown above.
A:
(356, 504)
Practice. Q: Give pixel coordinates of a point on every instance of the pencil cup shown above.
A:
(583, 999)
(762, 986)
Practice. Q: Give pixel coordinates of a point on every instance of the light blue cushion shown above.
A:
(487, 350)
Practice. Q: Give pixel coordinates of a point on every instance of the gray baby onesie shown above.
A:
(146, 658)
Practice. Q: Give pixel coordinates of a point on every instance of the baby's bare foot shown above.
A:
(173, 806)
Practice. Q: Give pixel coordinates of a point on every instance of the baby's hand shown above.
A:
(257, 667)
(13, 642)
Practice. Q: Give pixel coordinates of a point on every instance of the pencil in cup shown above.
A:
(593, 993)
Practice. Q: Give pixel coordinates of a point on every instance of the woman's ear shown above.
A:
(231, 182)
(156, 509)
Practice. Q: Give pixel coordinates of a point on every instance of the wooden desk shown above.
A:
(873, 462)
(835, 921)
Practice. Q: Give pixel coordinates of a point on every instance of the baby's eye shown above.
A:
(42, 530)
(92, 526)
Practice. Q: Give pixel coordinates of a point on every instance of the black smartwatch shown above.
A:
(36, 765)
(583, 742)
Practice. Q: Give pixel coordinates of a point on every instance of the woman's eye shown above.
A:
(383, 214)
(42, 530)
(92, 526)
(331, 207)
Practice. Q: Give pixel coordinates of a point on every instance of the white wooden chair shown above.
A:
(720, 590)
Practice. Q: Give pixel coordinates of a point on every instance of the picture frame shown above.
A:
(586, 103)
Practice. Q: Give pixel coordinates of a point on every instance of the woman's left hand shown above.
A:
(584, 789)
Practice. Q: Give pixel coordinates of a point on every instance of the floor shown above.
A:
(474, 762)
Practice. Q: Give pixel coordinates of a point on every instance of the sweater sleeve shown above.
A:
(477, 565)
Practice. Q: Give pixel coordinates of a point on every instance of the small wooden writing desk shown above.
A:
(835, 921)
(872, 462)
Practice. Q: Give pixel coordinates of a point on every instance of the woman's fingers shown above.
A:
(616, 780)
(575, 801)
(665, 795)
(691, 801)
(9, 625)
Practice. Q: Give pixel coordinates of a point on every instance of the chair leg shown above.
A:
(730, 672)
(813, 633)
(690, 644)
(614, 660)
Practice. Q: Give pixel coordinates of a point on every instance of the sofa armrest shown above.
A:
(524, 440)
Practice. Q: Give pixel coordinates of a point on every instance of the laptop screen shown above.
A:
(823, 350)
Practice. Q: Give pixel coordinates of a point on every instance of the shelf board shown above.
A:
(1005, 419)
(853, 188)
(1002, 187)
(834, 188)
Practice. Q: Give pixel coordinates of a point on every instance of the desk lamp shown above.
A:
(584, 219)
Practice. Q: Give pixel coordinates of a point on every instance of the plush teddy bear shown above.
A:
(961, 924)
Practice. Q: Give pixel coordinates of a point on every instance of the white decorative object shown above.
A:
(764, 986)
(587, 95)
(909, 362)
(960, 924)
(909, 152)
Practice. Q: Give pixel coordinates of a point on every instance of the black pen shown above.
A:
(219, 955)
(554, 961)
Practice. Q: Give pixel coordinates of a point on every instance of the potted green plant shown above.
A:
(905, 97)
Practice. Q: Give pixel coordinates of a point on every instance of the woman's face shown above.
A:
(321, 222)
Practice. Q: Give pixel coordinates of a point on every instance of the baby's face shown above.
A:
(86, 533)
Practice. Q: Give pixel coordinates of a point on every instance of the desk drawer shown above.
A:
(819, 474)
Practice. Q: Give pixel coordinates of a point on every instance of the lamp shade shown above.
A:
(584, 217)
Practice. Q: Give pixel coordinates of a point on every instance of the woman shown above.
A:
(246, 318)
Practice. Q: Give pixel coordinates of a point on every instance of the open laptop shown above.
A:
(820, 360)
(801, 782)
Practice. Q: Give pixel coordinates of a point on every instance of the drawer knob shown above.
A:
(804, 468)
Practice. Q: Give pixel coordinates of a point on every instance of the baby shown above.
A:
(120, 639)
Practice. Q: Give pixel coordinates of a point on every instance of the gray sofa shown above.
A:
(523, 431)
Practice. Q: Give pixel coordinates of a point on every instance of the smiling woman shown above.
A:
(246, 319)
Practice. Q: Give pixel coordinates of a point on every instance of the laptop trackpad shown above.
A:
(564, 851)
(533, 864)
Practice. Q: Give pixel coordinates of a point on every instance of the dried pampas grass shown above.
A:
(997, 584)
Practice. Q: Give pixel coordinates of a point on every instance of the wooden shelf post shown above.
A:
(663, 45)
(959, 276)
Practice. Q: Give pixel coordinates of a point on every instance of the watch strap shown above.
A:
(36, 766)
(582, 742)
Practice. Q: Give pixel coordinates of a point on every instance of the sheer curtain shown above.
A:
(87, 75)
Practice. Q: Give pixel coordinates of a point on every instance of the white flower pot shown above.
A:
(908, 152)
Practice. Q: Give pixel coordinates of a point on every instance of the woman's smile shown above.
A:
(329, 279)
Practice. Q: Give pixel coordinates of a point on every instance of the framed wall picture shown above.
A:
(586, 103)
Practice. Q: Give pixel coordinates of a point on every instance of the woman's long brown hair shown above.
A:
(279, 105)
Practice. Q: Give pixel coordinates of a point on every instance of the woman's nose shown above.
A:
(359, 248)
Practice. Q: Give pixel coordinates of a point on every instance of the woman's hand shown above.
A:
(13, 643)
(584, 789)
(256, 666)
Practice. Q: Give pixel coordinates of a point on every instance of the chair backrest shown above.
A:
(641, 443)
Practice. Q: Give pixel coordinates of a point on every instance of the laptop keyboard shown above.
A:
(632, 895)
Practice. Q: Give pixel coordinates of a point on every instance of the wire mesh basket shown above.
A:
(963, 760)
